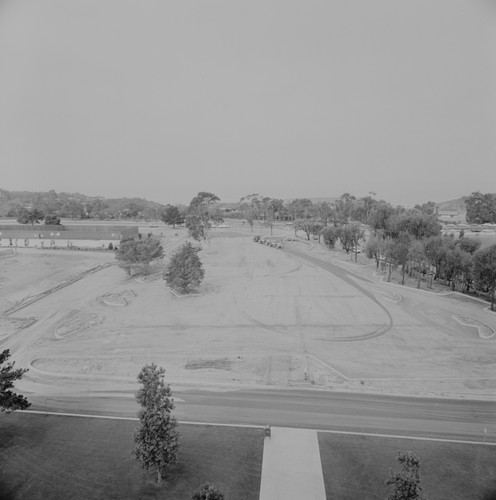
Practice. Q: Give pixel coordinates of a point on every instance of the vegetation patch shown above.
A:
(217, 364)
(72, 457)
(353, 465)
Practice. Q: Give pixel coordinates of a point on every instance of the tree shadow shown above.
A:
(489, 495)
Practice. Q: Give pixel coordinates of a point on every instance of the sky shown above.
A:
(289, 99)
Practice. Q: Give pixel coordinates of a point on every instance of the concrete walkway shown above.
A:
(291, 468)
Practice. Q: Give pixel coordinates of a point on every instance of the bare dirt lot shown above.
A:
(264, 318)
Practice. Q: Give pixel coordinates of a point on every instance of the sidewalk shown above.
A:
(291, 468)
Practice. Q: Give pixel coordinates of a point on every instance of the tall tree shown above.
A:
(185, 269)
(428, 208)
(201, 209)
(436, 248)
(344, 207)
(485, 271)
(301, 208)
(172, 216)
(9, 400)
(138, 254)
(325, 212)
(468, 244)
(374, 249)
(156, 439)
(350, 236)
(73, 208)
(481, 208)
(331, 236)
(416, 256)
(32, 216)
(98, 209)
(379, 215)
(456, 264)
(405, 484)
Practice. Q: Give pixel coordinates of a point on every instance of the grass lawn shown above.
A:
(52, 457)
(356, 467)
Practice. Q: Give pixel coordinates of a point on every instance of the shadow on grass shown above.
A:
(490, 495)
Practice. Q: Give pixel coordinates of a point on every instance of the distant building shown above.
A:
(448, 214)
(61, 235)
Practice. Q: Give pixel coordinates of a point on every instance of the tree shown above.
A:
(201, 209)
(98, 209)
(429, 208)
(331, 236)
(325, 212)
(456, 264)
(172, 216)
(156, 439)
(481, 208)
(301, 208)
(138, 253)
(469, 245)
(304, 225)
(51, 220)
(401, 252)
(379, 216)
(350, 237)
(73, 209)
(344, 207)
(406, 483)
(196, 227)
(389, 253)
(416, 255)
(9, 400)
(485, 270)
(207, 491)
(374, 248)
(436, 248)
(33, 216)
(415, 222)
(185, 269)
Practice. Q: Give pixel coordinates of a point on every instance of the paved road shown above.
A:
(422, 417)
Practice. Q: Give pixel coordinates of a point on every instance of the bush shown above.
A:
(207, 491)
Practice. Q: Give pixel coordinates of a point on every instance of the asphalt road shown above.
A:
(419, 417)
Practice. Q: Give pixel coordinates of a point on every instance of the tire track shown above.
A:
(344, 275)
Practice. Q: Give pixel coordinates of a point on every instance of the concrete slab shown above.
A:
(291, 467)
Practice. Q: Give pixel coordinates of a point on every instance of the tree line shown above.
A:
(480, 207)
(75, 206)
(409, 238)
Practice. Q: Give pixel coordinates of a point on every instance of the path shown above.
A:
(291, 468)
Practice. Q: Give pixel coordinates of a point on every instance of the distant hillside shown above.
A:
(458, 204)
(328, 199)
(77, 205)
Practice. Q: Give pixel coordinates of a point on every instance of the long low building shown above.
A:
(62, 235)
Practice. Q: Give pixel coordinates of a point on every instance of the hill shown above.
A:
(451, 205)
(77, 205)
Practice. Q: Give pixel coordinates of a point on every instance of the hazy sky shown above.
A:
(162, 99)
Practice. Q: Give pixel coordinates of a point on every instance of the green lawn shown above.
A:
(52, 457)
(356, 467)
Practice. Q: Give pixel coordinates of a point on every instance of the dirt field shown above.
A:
(264, 318)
